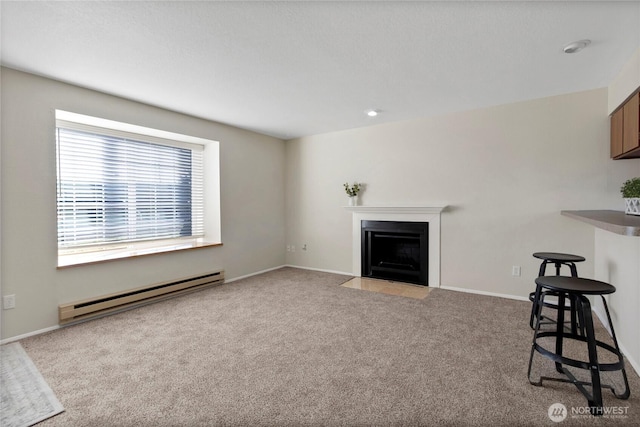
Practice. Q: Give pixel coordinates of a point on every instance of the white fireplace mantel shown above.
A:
(397, 209)
(430, 214)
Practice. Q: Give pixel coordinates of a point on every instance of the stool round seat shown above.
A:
(575, 285)
(558, 257)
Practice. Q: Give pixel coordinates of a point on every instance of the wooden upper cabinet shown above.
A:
(616, 133)
(631, 124)
(625, 130)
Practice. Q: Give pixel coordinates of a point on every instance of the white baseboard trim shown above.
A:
(254, 274)
(29, 334)
(490, 294)
(319, 269)
(603, 319)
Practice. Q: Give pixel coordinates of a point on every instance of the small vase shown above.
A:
(632, 206)
(353, 200)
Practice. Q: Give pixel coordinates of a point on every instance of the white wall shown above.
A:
(252, 200)
(506, 172)
(617, 258)
(625, 83)
(618, 262)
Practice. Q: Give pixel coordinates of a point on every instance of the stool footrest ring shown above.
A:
(604, 367)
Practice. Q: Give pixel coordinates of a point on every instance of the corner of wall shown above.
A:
(625, 83)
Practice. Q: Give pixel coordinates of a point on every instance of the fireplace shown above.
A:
(395, 250)
(401, 213)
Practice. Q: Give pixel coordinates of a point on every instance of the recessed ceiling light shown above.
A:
(372, 113)
(576, 46)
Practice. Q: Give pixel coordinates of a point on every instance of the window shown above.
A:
(118, 189)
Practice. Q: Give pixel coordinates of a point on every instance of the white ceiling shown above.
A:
(290, 69)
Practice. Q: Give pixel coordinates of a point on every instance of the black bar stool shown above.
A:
(558, 259)
(576, 288)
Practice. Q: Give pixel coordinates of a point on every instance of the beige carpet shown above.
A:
(293, 348)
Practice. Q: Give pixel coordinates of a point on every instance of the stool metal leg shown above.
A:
(574, 270)
(627, 392)
(595, 402)
(560, 329)
(538, 318)
(580, 319)
(576, 317)
(534, 307)
(543, 268)
(574, 322)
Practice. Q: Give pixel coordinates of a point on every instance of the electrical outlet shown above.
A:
(293, 248)
(515, 271)
(9, 301)
(304, 247)
(288, 248)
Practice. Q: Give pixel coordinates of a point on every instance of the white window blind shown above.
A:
(114, 187)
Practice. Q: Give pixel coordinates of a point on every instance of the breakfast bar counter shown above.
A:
(614, 221)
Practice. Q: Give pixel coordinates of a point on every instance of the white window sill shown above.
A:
(131, 250)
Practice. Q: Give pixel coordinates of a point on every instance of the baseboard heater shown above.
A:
(105, 304)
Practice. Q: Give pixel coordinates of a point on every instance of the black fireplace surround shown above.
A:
(395, 250)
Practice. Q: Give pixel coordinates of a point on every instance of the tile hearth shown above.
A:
(388, 287)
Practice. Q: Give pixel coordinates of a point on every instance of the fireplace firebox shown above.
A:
(395, 250)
